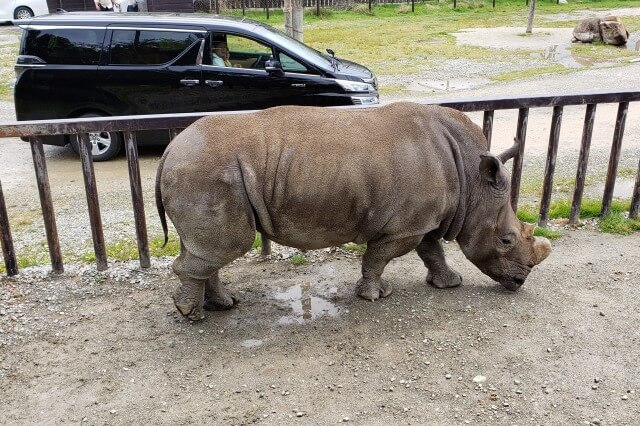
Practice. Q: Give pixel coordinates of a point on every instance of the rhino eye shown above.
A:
(508, 239)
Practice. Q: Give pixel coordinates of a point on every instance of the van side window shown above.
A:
(141, 47)
(247, 53)
(65, 46)
(290, 64)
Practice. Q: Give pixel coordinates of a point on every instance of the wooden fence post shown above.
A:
(583, 161)
(8, 252)
(549, 170)
(487, 127)
(137, 199)
(516, 174)
(614, 158)
(48, 215)
(84, 148)
(635, 200)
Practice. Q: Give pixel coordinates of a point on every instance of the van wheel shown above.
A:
(23, 13)
(104, 145)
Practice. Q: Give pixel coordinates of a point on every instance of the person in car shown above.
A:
(104, 5)
(125, 5)
(220, 54)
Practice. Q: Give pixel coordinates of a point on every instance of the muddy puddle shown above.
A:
(562, 54)
(306, 304)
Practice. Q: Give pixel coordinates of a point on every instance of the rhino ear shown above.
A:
(492, 171)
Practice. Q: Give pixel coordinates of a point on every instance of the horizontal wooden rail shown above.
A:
(180, 121)
(33, 131)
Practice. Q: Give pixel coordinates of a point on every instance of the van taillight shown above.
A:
(26, 61)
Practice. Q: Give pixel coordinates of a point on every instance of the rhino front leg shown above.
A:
(375, 259)
(216, 297)
(440, 275)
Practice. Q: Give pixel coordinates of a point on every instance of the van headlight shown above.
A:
(355, 86)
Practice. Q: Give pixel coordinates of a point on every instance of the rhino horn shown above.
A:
(511, 152)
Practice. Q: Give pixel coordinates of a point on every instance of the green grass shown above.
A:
(35, 255)
(527, 213)
(392, 40)
(357, 249)
(614, 223)
(532, 72)
(589, 208)
(299, 259)
(8, 54)
(551, 234)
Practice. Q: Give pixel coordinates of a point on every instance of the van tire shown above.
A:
(22, 12)
(104, 145)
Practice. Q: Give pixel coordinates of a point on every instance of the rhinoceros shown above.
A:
(398, 177)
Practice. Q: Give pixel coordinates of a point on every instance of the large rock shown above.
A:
(613, 32)
(609, 30)
(587, 31)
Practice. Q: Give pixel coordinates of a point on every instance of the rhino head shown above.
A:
(492, 237)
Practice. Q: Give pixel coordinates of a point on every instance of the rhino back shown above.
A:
(317, 177)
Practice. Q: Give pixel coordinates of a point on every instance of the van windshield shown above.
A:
(298, 48)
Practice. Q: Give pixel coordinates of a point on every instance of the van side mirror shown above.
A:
(273, 67)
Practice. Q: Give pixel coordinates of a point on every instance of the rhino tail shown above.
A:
(159, 205)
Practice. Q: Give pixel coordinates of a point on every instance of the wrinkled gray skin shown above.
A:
(399, 177)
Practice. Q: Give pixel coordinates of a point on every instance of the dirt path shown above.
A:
(302, 349)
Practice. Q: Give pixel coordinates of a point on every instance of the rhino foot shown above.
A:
(445, 279)
(220, 302)
(188, 307)
(373, 289)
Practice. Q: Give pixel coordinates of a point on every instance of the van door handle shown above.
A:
(213, 83)
(298, 85)
(189, 82)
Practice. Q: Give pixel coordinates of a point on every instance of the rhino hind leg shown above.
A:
(216, 297)
(440, 274)
(188, 299)
(379, 252)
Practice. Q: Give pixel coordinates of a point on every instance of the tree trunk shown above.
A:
(288, 17)
(298, 20)
(532, 11)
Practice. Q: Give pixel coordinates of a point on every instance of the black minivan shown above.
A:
(107, 64)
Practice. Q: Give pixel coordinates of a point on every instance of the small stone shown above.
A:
(625, 397)
(549, 350)
(300, 414)
(594, 387)
(345, 419)
(516, 382)
(602, 314)
(448, 376)
(479, 379)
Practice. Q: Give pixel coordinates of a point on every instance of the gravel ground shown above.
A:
(108, 347)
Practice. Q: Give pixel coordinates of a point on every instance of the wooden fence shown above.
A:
(34, 130)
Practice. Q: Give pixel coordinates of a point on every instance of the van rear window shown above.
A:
(65, 45)
(149, 47)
